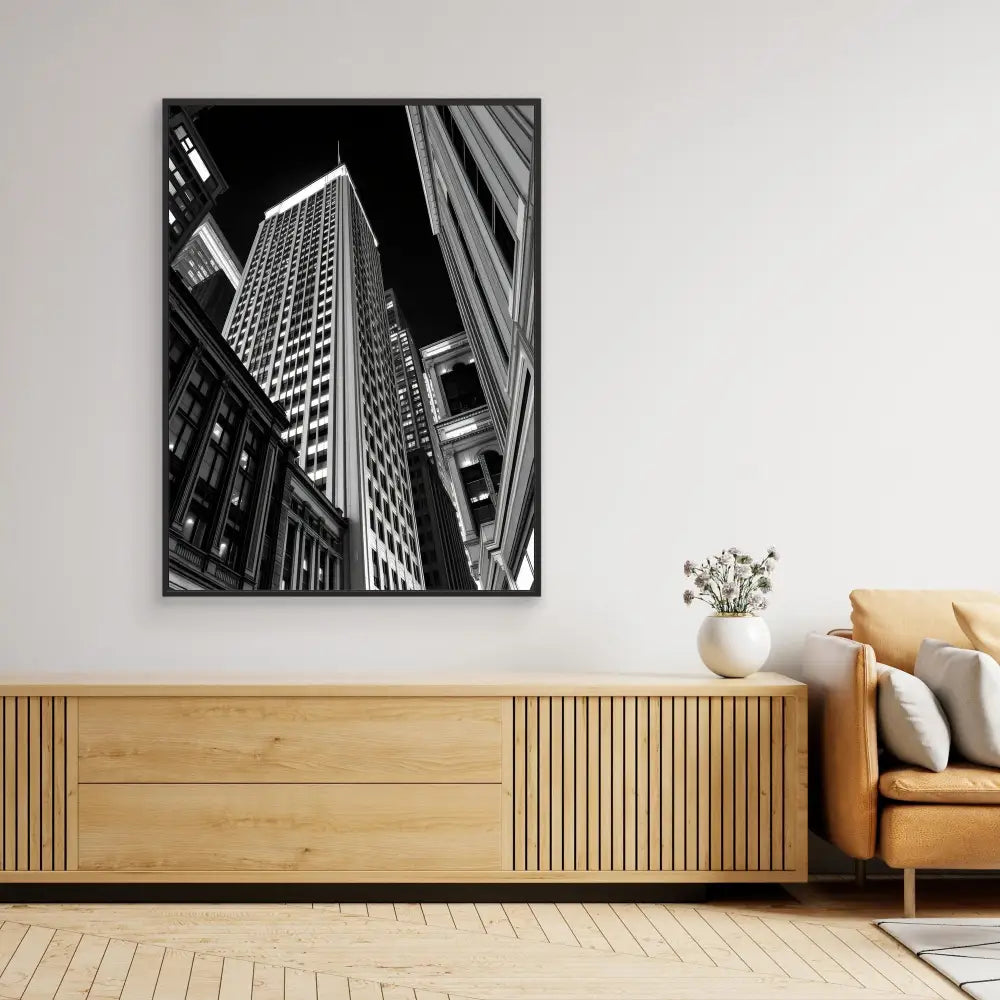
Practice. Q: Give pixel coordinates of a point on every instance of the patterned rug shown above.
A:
(967, 950)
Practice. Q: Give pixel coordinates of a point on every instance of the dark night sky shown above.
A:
(267, 152)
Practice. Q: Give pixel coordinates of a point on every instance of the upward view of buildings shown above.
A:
(477, 164)
(442, 552)
(313, 445)
(310, 325)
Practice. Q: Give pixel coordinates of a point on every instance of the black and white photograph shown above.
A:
(351, 347)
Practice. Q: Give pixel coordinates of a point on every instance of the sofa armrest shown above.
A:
(843, 748)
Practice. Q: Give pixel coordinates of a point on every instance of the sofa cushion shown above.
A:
(980, 622)
(911, 723)
(967, 683)
(959, 784)
(895, 622)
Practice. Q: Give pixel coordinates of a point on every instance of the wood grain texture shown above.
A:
(46, 775)
(327, 740)
(72, 782)
(691, 783)
(752, 949)
(20, 765)
(753, 784)
(715, 805)
(679, 804)
(556, 807)
(34, 752)
(646, 784)
(728, 785)
(36, 761)
(740, 754)
(289, 827)
(572, 685)
(764, 784)
(10, 784)
(507, 805)
(686, 787)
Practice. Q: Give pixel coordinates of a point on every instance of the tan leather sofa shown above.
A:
(863, 802)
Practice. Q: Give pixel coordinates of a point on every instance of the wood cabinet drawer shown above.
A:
(289, 827)
(264, 739)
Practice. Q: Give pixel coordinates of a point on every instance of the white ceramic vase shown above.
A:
(734, 645)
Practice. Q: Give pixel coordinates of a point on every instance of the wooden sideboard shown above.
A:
(582, 778)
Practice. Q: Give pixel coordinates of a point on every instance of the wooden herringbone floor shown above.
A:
(795, 949)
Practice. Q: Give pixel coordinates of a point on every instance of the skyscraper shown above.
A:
(408, 373)
(478, 167)
(310, 325)
(442, 552)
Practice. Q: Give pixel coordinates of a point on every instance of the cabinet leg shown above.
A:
(860, 872)
(909, 892)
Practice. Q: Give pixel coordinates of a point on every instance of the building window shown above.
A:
(286, 563)
(481, 292)
(186, 419)
(526, 571)
(462, 390)
(478, 494)
(198, 524)
(494, 464)
(233, 542)
(307, 563)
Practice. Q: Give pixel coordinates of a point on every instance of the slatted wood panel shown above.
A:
(694, 784)
(39, 784)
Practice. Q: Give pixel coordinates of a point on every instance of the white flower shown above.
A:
(772, 553)
(770, 564)
(689, 568)
(688, 596)
(744, 570)
(727, 559)
(764, 584)
(730, 591)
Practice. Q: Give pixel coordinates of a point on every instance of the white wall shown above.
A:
(770, 314)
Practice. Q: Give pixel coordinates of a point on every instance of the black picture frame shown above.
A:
(536, 527)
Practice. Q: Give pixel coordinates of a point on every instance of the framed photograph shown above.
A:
(351, 296)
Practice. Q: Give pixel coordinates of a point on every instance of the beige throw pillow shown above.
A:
(980, 621)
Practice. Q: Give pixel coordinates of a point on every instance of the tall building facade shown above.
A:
(418, 431)
(477, 164)
(309, 323)
(442, 549)
(210, 269)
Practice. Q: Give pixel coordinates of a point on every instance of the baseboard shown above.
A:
(353, 893)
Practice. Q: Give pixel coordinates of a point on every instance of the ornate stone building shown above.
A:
(478, 166)
(241, 515)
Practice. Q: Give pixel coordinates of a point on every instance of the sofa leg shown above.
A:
(860, 872)
(909, 892)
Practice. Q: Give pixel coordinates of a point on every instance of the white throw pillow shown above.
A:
(967, 683)
(911, 722)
